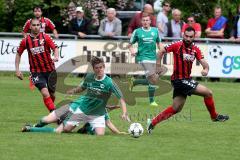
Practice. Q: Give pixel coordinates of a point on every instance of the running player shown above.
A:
(147, 37)
(185, 52)
(89, 108)
(42, 68)
(46, 24)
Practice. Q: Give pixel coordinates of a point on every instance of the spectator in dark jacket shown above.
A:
(80, 25)
(235, 33)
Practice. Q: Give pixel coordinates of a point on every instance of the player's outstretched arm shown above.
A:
(55, 33)
(17, 62)
(56, 55)
(78, 89)
(205, 66)
(113, 128)
(124, 110)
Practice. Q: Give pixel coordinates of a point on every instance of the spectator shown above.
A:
(135, 21)
(192, 23)
(174, 27)
(110, 26)
(216, 25)
(162, 18)
(79, 25)
(235, 33)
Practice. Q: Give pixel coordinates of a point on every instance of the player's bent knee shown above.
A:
(209, 93)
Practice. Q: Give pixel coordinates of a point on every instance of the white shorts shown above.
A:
(79, 116)
(149, 67)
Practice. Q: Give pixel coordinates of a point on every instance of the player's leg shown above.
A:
(40, 81)
(99, 131)
(207, 94)
(97, 123)
(178, 103)
(61, 113)
(72, 121)
(51, 83)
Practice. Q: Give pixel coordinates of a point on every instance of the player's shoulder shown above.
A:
(46, 19)
(154, 29)
(195, 47)
(175, 43)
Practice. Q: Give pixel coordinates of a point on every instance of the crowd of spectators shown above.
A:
(160, 10)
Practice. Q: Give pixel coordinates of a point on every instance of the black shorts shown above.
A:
(45, 80)
(183, 87)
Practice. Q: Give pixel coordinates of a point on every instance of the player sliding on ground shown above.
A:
(184, 53)
(87, 108)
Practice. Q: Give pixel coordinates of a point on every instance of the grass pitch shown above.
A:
(188, 135)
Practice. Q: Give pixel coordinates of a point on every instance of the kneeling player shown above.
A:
(89, 108)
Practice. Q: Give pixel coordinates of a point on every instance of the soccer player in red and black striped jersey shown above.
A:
(42, 68)
(46, 24)
(184, 53)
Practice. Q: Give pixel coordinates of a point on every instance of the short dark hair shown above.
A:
(189, 29)
(37, 7)
(32, 19)
(96, 60)
(166, 2)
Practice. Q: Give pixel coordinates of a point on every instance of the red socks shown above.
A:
(49, 104)
(168, 112)
(209, 102)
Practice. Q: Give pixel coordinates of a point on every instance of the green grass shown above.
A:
(189, 135)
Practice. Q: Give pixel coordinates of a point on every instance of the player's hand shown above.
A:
(161, 70)
(125, 117)
(70, 92)
(204, 72)
(55, 59)
(82, 35)
(133, 54)
(19, 75)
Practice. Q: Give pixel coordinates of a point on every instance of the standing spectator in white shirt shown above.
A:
(162, 18)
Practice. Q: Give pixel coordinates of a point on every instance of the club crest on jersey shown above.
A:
(152, 33)
(102, 85)
(188, 57)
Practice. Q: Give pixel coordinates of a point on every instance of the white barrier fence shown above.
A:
(223, 58)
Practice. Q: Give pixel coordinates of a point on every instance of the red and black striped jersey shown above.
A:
(39, 52)
(46, 25)
(183, 58)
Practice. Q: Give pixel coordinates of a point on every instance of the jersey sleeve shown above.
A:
(50, 42)
(134, 37)
(106, 116)
(199, 55)
(170, 47)
(158, 40)
(50, 24)
(116, 91)
(22, 46)
(26, 26)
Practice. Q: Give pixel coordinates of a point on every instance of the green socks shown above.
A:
(151, 92)
(42, 129)
(140, 81)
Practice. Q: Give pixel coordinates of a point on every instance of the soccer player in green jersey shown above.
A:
(87, 108)
(147, 37)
